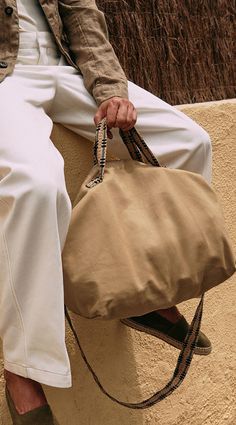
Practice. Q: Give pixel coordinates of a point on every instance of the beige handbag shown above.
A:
(141, 238)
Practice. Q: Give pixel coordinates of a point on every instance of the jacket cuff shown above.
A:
(103, 92)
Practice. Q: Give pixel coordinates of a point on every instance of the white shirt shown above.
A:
(36, 33)
(31, 16)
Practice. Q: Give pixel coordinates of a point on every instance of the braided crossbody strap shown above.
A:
(180, 372)
(139, 151)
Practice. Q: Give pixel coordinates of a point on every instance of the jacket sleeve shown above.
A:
(87, 33)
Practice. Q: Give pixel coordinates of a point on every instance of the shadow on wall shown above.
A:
(111, 354)
(112, 357)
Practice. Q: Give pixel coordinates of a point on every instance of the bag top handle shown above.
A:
(132, 137)
(137, 147)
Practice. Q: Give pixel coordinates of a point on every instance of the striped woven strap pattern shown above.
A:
(180, 372)
(137, 147)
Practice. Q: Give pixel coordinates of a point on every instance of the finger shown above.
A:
(131, 118)
(100, 114)
(109, 133)
(121, 118)
(111, 114)
(128, 119)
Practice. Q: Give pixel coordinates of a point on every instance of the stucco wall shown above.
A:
(132, 365)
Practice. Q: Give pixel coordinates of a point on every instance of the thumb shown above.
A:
(100, 114)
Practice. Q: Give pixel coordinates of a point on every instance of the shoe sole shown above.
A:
(201, 351)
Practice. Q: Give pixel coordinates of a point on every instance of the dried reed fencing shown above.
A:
(181, 50)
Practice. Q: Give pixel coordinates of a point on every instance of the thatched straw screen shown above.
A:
(180, 50)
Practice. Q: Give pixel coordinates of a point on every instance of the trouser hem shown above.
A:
(41, 376)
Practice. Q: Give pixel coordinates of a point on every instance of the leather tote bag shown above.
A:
(142, 237)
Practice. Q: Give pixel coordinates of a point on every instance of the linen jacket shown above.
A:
(81, 33)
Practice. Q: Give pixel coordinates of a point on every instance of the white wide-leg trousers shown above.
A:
(35, 208)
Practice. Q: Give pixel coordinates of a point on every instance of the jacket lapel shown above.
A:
(50, 9)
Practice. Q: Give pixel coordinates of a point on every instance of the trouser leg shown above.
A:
(35, 212)
(175, 139)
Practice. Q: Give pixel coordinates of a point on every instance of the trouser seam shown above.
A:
(12, 286)
(35, 368)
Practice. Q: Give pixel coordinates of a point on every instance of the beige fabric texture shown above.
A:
(81, 33)
(130, 364)
(145, 238)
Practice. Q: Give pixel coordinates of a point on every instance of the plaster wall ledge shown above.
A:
(132, 365)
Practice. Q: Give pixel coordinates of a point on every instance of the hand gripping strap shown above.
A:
(182, 366)
(138, 149)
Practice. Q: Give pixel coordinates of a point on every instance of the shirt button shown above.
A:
(8, 10)
(3, 64)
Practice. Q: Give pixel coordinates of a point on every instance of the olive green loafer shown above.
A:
(39, 416)
(174, 334)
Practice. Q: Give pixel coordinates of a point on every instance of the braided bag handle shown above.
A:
(132, 137)
(138, 151)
